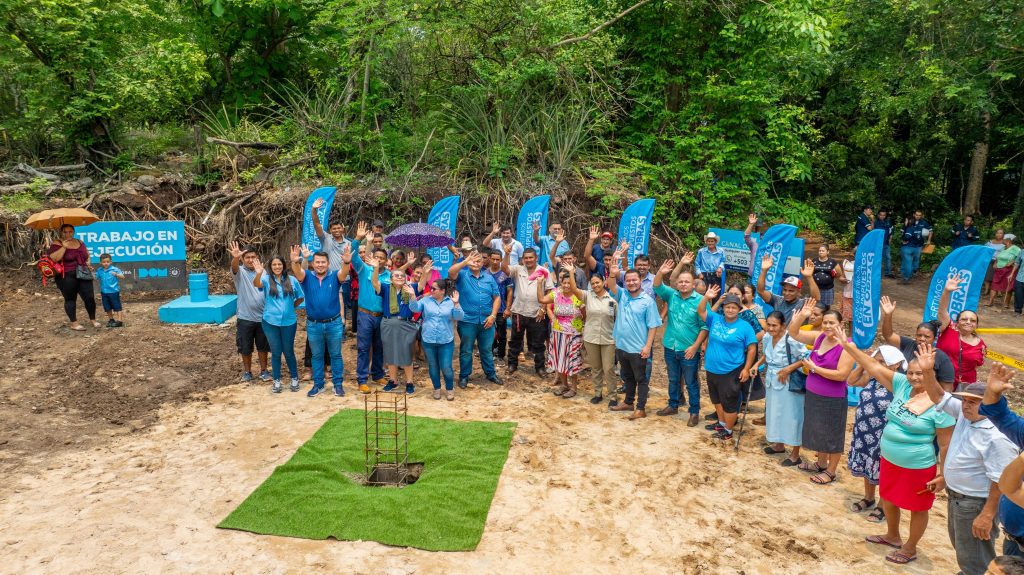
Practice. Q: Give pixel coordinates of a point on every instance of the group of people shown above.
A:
(923, 424)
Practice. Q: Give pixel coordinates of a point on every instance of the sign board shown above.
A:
(151, 254)
(737, 254)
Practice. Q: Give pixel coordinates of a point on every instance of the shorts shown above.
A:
(724, 389)
(249, 332)
(111, 301)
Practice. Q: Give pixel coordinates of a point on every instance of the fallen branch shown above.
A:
(239, 145)
(198, 199)
(27, 169)
(14, 188)
(62, 169)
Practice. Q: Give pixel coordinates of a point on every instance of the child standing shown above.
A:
(110, 290)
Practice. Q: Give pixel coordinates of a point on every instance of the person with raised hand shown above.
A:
(370, 361)
(398, 328)
(729, 358)
(545, 244)
(529, 319)
(926, 332)
(506, 237)
(958, 337)
(565, 346)
(790, 301)
(334, 242)
(439, 311)
(480, 301)
(995, 407)
(825, 410)
(978, 455)
(685, 334)
(598, 339)
(249, 325)
(282, 293)
(784, 402)
(636, 321)
(910, 474)
(594, 255)
(324, 324)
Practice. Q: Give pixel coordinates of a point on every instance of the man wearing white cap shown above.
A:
(710, 262)
(977, 455)
(790, 301)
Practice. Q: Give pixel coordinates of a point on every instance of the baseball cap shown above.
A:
(606, 235)
(732, 298)
(379, 223)
(1010, 237)
(793, 281)
(891, 355)
(975, 390)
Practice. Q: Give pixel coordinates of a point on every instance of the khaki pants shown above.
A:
(601, 359)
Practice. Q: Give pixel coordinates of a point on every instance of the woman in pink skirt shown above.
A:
(566, 341)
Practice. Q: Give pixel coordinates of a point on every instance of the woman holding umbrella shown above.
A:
(78, 276)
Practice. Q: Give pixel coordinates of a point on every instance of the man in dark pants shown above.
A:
(635, 323)
(995, 407)
(505, 293)
(529, 319)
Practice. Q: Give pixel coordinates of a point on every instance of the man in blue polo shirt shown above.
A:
(370, 362)
(480, 299)
(865, 223)
(997, 410)
(636, 320)
(324, 324)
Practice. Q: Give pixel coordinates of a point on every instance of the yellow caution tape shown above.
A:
(1014, 363)
(1010, 330)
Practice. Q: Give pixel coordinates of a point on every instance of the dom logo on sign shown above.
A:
(144, 273)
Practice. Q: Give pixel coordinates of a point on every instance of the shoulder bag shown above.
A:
(798, 379)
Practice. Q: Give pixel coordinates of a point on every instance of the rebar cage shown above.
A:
(386, 455)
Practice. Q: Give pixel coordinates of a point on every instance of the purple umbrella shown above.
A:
(418, 235)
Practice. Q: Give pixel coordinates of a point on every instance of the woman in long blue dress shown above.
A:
(869, 420)
(784, 409)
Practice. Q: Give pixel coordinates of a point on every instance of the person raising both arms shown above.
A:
(324, 327)
(506, 238)
(480, 299)
(547, 243)
(790, 301)
(281, 295)
(334, 242)
(729, 359)
(685, 334)
(398, 329)
(249, 326)
(926, 333)
(565, 346)
(438, 311)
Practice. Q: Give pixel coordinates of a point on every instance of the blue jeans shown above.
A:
(439, 362)
(330, 334)
(282, 341)
(484, 338)
(886, 259)
(1010, 547)
(371, 349)
(910, 260)
(680, 369)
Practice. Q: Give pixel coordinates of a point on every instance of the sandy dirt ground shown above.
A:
(120, 450)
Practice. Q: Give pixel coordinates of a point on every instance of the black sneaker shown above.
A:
(596, 399)
(713, 416)
(512, 368)
(118, 324)
(496, 380)
(463, 383)
(613, 402)
(723, 434)
(110, 323)
(714, 426)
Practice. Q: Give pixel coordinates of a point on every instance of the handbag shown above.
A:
(84, 273)
(797, 381)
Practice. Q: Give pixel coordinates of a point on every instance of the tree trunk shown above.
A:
(972, 203)
(1018, 212)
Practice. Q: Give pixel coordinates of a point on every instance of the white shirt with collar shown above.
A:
(978, 452)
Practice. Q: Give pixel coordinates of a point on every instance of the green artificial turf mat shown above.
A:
(311, 496)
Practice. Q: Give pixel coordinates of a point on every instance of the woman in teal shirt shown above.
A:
(909, 475)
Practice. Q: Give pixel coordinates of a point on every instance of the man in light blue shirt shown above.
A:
(479, 297)
(636, 320)
(370, 361)
(506, 239)
(710, 262)
(546, 243)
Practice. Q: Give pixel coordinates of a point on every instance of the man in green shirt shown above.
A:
(684, 334)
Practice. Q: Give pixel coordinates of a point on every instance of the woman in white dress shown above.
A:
(784, 408)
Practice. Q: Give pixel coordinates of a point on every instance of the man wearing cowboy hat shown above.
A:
(977, 455)
(710, 262)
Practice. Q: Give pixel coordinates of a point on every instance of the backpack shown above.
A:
(48, 268)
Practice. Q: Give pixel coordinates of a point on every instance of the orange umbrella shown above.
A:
(54, 219)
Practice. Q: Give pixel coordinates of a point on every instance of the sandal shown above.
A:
(900, 558)
(876, 516)
(818, 480)
(787, 462)
(811, 466)
(879, 540)
(559, 390)
(569, 393)
(77, 327)
(863, 505)
(769, 450)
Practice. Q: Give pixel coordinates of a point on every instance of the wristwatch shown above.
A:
(814, 369)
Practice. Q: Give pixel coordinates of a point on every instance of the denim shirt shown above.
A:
(709, 261)
(476, 294)
(437, 318)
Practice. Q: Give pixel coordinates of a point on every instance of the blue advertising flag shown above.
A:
(309, 237)
(444, 215)
(776, 243)
(635, 228)
(867, 288)
(971, 262)
(534, 210)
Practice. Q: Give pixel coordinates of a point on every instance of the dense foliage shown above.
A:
(805, 109)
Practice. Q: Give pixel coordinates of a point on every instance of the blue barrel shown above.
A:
(199, 287)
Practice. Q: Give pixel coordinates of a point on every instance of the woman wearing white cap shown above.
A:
(1002, 274)
(868, 422)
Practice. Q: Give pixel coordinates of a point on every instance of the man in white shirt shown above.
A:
(506, 238)
(529, 319)
(977, 455)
